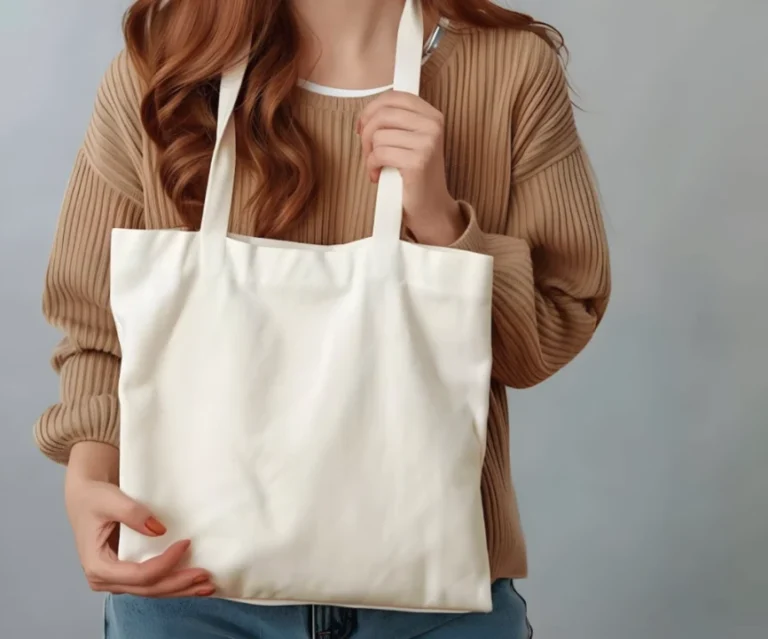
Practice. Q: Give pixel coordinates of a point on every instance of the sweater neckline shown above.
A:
(429, 71)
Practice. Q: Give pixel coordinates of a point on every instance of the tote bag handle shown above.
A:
(388, 218)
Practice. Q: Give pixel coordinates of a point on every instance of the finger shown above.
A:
(400, 100)
(396, 118)
(397, 138)
(399, 120)
(377, 130)
(388, 156)
(114, 505)
(198, 591)
(186, 583)
(109, 571)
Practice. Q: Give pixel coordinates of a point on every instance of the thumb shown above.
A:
(116, 506)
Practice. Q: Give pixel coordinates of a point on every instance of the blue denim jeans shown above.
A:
(138, 618)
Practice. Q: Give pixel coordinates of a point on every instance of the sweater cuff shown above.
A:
(473, 238)
(89, 410)
(93, 419)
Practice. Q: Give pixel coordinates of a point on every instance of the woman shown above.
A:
(491, 163)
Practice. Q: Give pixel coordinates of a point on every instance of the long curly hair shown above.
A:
(180, 48)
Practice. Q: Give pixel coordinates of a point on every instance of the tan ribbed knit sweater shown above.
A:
(513, 158)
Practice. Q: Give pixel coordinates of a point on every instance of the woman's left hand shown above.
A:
(402, 131)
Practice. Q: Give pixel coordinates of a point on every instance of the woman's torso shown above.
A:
(481, 81)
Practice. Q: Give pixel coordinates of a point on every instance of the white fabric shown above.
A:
(334, 92)
(313, 418)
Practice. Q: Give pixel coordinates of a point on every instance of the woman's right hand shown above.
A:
(96, 507)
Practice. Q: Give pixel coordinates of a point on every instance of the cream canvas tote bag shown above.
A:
(313, 418)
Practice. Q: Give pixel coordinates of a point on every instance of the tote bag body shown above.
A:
(313, 418)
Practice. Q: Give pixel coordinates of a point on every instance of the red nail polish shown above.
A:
(155, 527)
(205, 592)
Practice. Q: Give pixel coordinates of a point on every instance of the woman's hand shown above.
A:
(96, 506)
(402, 131)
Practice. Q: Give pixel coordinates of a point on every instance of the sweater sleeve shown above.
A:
(551, 266)
(104, 192)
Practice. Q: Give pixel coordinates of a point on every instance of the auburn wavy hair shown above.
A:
(180, 48)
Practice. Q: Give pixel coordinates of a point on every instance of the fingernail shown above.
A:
(155, 527)
(205, 592)
(201, 579)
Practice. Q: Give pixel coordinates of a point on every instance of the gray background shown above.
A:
(641, 468)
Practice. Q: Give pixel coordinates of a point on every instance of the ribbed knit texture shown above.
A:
(514, 160)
